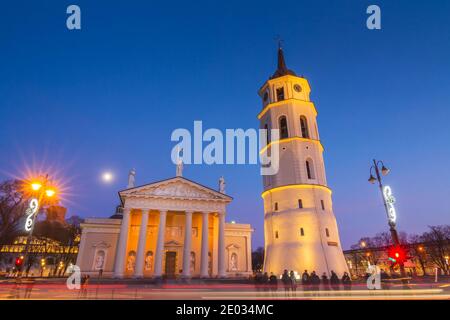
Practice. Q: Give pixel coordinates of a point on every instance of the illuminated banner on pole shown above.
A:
(390, 200)
(31, 210)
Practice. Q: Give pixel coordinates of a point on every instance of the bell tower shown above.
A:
(300, 229)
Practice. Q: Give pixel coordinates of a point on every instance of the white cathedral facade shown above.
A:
(300, 229)
(172, 228)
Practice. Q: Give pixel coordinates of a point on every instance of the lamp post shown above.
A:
(388, 201)
(40, 189)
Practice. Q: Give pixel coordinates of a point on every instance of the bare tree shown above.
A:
(12, 208)
(437, 245)
(258, 258)
(417, 251)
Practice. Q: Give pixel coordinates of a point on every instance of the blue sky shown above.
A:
(107, 97)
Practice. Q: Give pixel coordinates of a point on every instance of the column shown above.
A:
(122, 244)
(187, 245)
(81, 249)
(248, 242)
(139, 270)
(160, 243)
(221, 247)
(204, 257)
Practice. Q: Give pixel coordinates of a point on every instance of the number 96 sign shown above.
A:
(30, 212)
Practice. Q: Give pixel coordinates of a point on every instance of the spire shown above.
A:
(281, 62)
(282, 70)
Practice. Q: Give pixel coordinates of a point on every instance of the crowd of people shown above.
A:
(308, 281)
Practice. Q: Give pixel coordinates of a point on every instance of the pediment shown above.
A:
(176, 188)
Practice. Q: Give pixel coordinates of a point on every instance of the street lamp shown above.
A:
(40, 189)
(388, 201)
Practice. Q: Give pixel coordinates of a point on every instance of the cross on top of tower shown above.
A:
(282, 69)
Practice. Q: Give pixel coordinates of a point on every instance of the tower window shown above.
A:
(276, 206)
(276, 234)
(310, 169)
(283, 128)
(266, 96)
(280, 94)
(300, 204)
(327, 232)
(304, 127)
(302, 232)
(322, 204)
(266, 127)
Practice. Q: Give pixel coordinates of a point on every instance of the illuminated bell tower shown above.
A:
(300, 229)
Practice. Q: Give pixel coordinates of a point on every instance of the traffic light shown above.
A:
(397, 255)
(19, 262)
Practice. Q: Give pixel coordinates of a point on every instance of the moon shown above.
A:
(107, 177)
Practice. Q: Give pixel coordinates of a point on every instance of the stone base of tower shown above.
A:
(300, 258)
(303, 239)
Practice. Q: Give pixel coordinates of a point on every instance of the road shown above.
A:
(57, 290)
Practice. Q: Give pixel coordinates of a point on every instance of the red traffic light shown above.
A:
(397, 255)
(19, 262)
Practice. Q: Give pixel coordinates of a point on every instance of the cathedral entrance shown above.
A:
(171, 257)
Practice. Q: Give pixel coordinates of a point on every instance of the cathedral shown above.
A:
(300, 229)
(172, 228)
(176, 227)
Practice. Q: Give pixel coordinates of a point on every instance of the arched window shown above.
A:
(280, 94)
(266, 127)
(276, 206)
(266, 96)
(300, 204)
(283, 128)
(304, 127)
(327, 232)
(148, 260)
(310, 169)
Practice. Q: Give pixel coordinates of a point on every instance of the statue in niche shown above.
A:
(99, 260)
(233, 262)
(131, 261)
(148, 260)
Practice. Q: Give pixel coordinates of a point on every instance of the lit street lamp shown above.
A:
(388, 201)
(40, 188)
